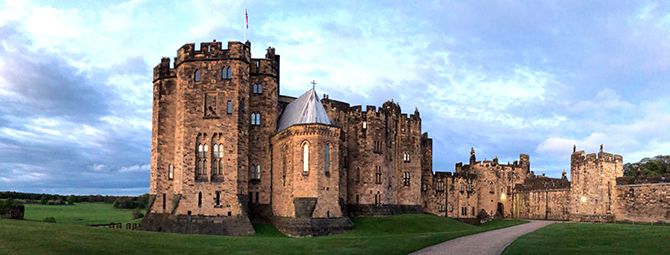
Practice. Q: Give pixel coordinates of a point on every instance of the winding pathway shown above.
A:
(491, 242)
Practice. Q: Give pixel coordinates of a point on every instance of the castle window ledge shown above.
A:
(210, 117)
(255, 181)
(201, 178)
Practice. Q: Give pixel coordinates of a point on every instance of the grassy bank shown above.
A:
(398, 234)
(592, 239)
(79, 213)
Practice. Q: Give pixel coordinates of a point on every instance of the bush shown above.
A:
(44, 200)
(49, 219)
(70, 200)
(137, 213)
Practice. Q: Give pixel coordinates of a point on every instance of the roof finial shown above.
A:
(313, 84)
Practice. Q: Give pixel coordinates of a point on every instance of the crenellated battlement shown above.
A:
(266, 66)
(213, 51)
(163, 69)
(580, 156)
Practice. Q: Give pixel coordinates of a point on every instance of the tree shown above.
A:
(70, 200)
(659, 164)
(44, 200)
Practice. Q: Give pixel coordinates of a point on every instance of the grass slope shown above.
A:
(592, 239)
(398, 234)
(80, 213)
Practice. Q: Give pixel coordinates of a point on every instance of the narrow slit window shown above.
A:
(260, 89)
(327, 157)
(199, 199)
(255, 89)
(258, 172)
(230, 73)
(196, 76)
(170, 172)
(305, 157)
(230, 107)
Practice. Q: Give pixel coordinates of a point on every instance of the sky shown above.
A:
(504, 77)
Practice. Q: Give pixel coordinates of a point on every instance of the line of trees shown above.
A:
(649, 166)
(120, 202)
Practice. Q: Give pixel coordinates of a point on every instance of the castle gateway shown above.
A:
(227, 147)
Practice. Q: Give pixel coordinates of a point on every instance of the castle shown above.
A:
(227, 147)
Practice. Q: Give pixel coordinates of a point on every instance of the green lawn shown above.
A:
(80, 213)
(398, 234)
(592, 239)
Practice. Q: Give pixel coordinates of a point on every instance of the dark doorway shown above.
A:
(501, 210)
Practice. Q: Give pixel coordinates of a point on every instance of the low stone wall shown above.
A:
(642, 202)
(197, 224)
(595, 218)
(308, 227)
(373, 210)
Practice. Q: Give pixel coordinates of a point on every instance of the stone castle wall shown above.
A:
(642, 199)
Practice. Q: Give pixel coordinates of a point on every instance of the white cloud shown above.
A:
(136, 168)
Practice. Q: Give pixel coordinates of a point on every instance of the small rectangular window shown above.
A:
(230, 107)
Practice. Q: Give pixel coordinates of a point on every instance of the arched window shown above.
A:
(215, 151)
(199, 170)
(258, 172)
(260, 89)
(215, 166)
(196, 76)
(305, 157)
(220, 167)
(170, 172)
(200, 151)
(220, 150)
(327, 157)
(460, 187)
(224, 74)
(230, 73)
(252, 171)
(258, 119)
(199, 199)
(205, 151)
(255, 89)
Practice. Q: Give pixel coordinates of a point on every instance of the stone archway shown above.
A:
(501, 210)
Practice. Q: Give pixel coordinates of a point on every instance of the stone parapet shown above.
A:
(308, 227)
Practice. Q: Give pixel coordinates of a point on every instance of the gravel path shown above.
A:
(491, 242)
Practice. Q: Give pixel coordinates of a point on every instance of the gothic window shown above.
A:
(220, 150)
(199, 199)
(230, 107)
(170, 172)
(258, 119)
(258, 173)
(224, 73)
(260, 89)
(255, 89)
(252, 172)
(215, 151)
(199, 170)
(220, 172)
(469, 187)
(205, 151)
(405, 179)
(196, 76)
(200, 151)
(451, 208)
(230, 73)
(327, 157)
(378, 175)
(305, 158)
(460, 187)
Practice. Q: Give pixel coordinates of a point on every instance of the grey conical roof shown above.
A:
(306, 109)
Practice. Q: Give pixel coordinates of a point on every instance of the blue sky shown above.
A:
(504, 77)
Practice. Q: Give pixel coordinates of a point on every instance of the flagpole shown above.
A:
(245, 25)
